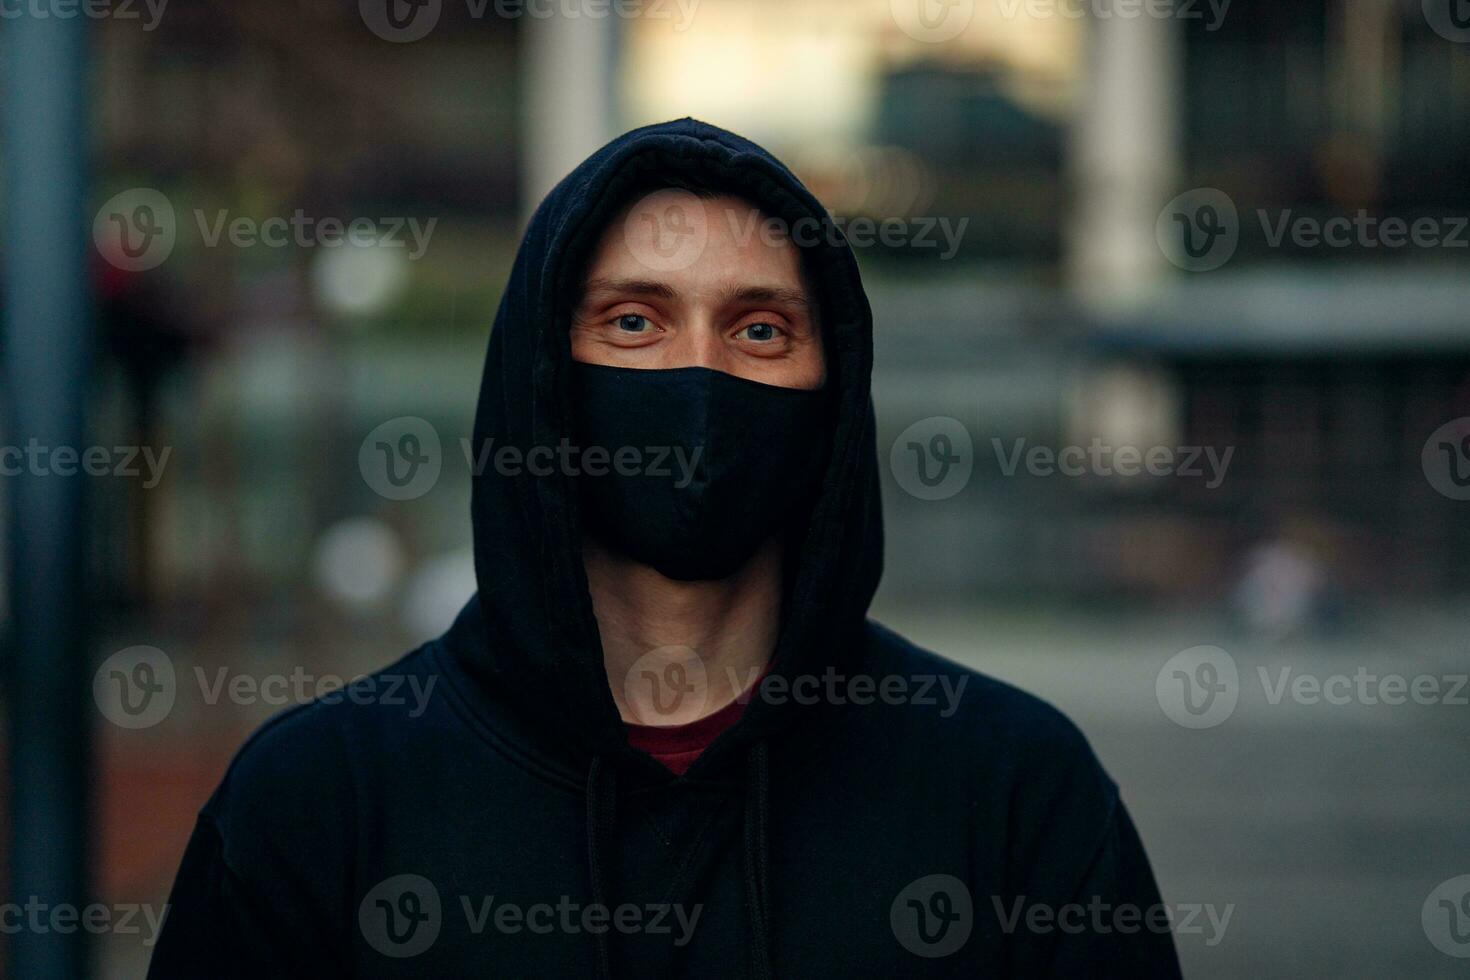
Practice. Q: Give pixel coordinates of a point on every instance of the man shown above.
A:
(664, 739)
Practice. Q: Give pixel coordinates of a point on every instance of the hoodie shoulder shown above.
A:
(1001, 705)
(299, 770)
(269, 868)
(1012, 735)
(1013, 768)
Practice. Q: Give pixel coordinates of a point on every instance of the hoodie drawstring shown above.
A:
(602, 797)
(602, 801)
(757, 860)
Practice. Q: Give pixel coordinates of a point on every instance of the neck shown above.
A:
(730, 625)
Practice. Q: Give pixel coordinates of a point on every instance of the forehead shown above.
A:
(684, 239)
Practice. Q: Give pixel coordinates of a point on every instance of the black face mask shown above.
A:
(712, 465)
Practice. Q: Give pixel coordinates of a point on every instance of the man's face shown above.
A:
(679, 281)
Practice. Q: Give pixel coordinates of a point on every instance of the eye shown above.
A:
(633, 323)
(758, 332)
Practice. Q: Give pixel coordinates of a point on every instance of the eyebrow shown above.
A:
(635, 287)
(765, 294)
(732, 293)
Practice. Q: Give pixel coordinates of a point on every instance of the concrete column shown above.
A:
(569, 103)
(1124, 154)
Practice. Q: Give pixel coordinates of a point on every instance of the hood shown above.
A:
(537, 642)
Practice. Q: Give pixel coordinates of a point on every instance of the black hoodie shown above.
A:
(877, 810)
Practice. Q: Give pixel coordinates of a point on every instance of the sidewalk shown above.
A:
(1326, 825)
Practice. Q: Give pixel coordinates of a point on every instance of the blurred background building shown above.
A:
(1049, 170)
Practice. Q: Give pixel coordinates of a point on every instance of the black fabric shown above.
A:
(721, 463)
(602, 797)
(377, 837)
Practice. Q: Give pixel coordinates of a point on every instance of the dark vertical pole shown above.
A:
(46, 351)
